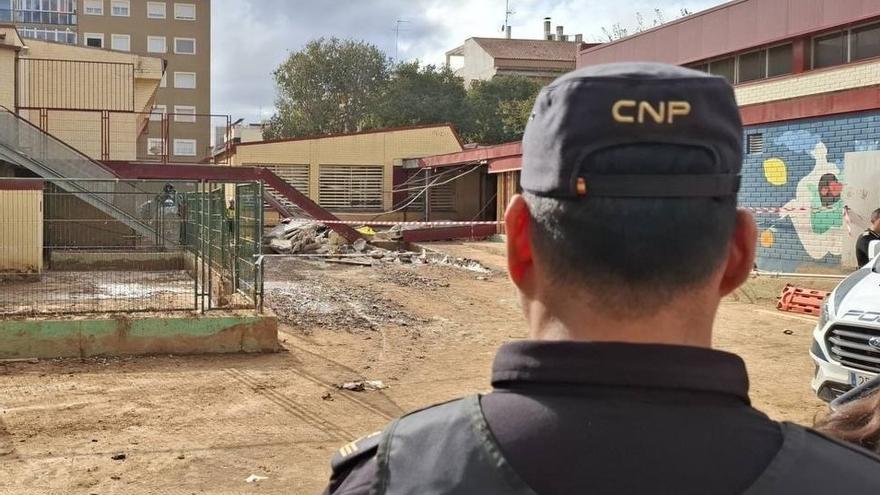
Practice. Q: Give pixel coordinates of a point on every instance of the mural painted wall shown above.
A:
(801, 175)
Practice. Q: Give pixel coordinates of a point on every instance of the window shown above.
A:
(120, 42)
(829, 50)
(723, 67)
(185, 147)
(185, 11)
(156, 44)
(94, 7)
(865, 42)
(56, 35)
(185, 46)
(120, 8)
(350, 187)
(95, 40)
(184, 113)
(158, 112)
(155, 146)
(752, 66)
(185, 80)
(780, 60)
(297, 175)
(754, 143)
(155, 10)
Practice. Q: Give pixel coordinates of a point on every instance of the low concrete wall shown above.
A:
(141, 335)
(123, 260)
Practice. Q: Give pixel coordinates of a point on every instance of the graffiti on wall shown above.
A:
(801, 173)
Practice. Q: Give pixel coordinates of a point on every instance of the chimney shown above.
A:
(547, 34)
(559, 34)
(507, 31)
(578, 38)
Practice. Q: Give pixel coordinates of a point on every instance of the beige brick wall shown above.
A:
(81, 129)
(21, 231)
(377, 148)
(816, 82)
(7, 78)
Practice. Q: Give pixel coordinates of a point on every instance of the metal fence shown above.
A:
(192, 249)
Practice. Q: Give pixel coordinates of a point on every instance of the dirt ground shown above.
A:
(192, 425)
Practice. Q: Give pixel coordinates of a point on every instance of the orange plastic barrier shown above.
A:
(800, 300)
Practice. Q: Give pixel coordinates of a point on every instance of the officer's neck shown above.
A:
(686, 320)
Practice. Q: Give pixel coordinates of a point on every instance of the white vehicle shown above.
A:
(846, 341)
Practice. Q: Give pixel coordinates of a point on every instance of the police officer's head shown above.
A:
(630, 176)
(875, 220)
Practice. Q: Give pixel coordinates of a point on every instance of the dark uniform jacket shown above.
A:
(569, 418)
(862, 246)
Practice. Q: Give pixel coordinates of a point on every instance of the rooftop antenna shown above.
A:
(397, 31)
(508, 12)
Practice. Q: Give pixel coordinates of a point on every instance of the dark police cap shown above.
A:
(659, 117)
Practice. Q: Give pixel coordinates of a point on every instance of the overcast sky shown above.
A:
(251, 37)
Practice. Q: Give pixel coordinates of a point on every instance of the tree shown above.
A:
(500, 108)
(425, 95)
(327, 87)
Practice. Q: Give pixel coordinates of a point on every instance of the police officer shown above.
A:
(868, 236)
(622, 245)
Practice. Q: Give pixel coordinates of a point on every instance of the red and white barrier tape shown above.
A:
(444, 223)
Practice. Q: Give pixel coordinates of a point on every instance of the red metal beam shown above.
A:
(853, 100)
(471, 156)
(128, 170)
(472, 232)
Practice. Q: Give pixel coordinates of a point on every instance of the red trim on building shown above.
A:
(508, 164)
(21, 185)
(852, 100)
(360, 133)
(734, 27)
(476, 155)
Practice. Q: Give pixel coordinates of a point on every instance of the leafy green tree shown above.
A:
(327, 87)
(500, 108)
(422, 95)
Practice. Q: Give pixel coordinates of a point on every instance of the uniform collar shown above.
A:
(646, 366)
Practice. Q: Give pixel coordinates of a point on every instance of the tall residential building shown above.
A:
(178, 32)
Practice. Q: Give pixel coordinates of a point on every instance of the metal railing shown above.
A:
(75, 85)
(60, 254)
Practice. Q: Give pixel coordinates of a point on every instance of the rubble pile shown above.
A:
(304, 236)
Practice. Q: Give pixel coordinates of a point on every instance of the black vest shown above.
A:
(448, 449)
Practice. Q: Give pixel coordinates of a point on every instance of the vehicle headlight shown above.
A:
(825, 313)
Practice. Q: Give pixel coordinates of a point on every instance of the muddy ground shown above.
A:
(193, 425)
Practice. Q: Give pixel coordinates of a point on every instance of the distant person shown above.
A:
(864, 240)
(622, 245)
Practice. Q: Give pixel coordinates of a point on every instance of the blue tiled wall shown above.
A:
(787, 173)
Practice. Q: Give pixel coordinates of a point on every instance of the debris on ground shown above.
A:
(327, 396)
(118, 457)
(255, 478)
(408, 277)
(362, 385)
(315, 301)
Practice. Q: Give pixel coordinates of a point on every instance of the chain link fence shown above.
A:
(88, 246)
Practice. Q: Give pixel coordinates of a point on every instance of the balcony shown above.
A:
(38, 17)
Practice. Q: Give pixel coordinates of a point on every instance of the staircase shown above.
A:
(27, 146)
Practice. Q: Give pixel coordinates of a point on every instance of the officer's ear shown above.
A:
(740, 253)
(519, 243)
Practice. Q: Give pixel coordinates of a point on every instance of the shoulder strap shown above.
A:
(446, 449)
(809, 463)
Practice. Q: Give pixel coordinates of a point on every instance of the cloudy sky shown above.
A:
(251, 37)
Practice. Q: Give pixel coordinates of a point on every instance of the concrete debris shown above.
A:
(362, 386)
(255, 478)
(359, 245)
